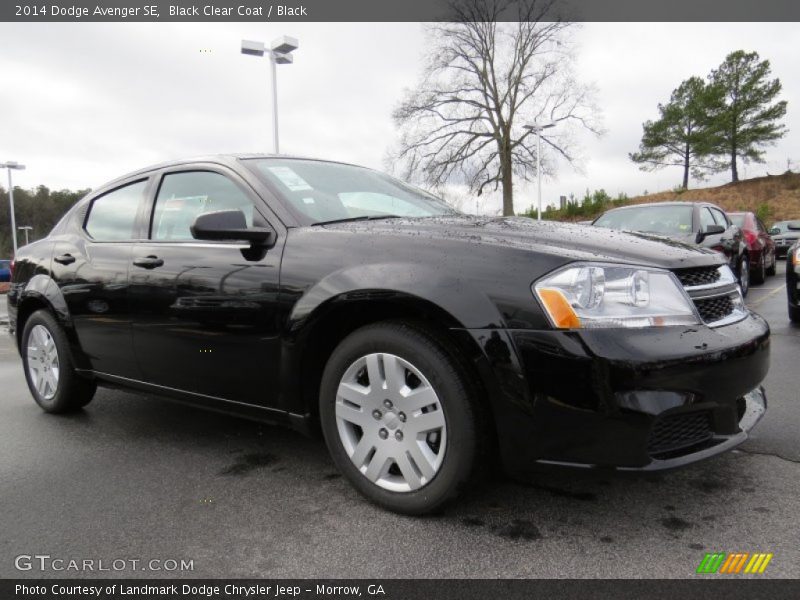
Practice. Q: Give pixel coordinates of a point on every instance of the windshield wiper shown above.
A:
(363, 218)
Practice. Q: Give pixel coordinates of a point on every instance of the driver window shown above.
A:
(183, 196)
(706, 219)
(720, 217)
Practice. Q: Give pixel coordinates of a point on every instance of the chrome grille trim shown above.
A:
(722, 287)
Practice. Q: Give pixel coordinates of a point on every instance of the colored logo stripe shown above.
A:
(711, 562)
(758, 563)
(734, 563)
(721, 562)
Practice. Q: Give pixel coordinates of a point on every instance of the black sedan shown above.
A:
(793, 276)
(699, 223)
(423, 344)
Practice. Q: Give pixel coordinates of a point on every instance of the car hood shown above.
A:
(577, 242)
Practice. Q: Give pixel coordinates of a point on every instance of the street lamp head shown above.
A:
(253, 48)
(283, 59)
(284, 45)
(540, 126)
(12, 164)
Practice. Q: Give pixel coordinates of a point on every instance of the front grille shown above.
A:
(699, 276)
(715, 296)
(714, 309)
(679, 432)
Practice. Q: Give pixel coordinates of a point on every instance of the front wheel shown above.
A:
(794, 314)
(744, 274)
(399, 417)
(51, 377)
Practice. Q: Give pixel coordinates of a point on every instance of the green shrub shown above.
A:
(763, 212)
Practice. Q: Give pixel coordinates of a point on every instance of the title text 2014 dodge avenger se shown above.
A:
(424, 344)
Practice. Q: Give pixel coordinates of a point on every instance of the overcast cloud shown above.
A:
(82, 103)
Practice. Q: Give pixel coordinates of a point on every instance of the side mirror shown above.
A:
(709, 230)
(230, 225)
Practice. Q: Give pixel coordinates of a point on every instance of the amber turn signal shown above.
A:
(559, 309)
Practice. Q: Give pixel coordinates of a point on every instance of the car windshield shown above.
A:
(667, 219)
(322, 192)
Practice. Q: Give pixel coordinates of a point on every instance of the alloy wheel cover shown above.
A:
(391, 422)
(43, 361)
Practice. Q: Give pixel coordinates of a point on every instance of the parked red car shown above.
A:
(760, 245)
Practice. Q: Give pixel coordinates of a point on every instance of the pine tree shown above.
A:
(748, 119)
(680, 136)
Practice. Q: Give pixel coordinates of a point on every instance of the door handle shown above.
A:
(148, 262)
(65, 259)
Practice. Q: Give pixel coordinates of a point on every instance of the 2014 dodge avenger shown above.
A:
(425, 345)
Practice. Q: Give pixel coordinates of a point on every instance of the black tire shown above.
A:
(466, 439)
(759, 275)
(744, 274)
(794, 314)
(72, 392)
(772, 268)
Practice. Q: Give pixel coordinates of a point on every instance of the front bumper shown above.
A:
(637, 399)
(793, 283)
(782, 249)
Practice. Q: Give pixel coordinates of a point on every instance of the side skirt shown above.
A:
(252, 412)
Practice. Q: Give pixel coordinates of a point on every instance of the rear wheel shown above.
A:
(760, 273)
(744, 274)
(49, 371)
(400, 418)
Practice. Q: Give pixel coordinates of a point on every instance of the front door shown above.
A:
(206, 313)
(721, 242)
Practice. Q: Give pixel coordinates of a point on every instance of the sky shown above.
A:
(82, 103)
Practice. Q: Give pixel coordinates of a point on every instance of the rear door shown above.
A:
(767, 243)
(90, 266)
(206, 313)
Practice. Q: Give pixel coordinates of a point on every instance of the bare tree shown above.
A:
(483, 82)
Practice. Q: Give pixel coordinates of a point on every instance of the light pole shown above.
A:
(26, 229)
(12, 165)
(280, 53)
(537, 128)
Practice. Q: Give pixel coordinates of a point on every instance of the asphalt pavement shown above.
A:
(134, 478)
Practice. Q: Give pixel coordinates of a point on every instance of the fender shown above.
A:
(454, 303)
(469, 306)
(42, 289)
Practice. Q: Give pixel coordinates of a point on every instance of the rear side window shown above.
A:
(739, 220)
(183, 196)
(112, 216)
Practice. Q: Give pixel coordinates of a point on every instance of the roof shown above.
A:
(667, 203)
(224, 159)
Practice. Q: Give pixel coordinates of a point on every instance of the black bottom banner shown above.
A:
(394, 589)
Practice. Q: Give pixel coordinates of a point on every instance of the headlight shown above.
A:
(596, 295)
(796, 259)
